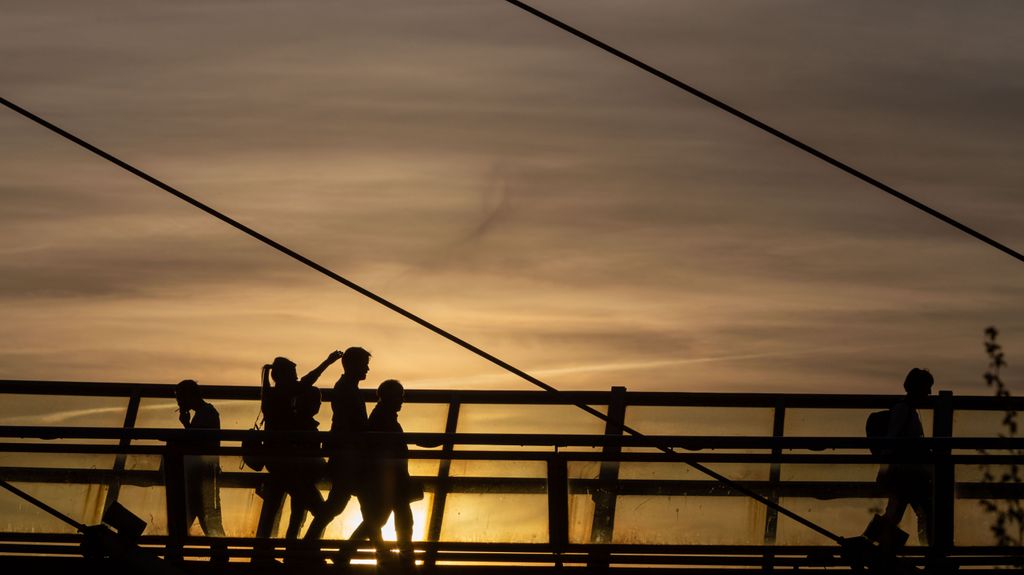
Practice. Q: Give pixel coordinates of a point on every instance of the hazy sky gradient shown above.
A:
(554, 206)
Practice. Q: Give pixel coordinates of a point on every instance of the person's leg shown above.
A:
(375, 514)
(210, 518)
(270, 512)
(374, 518)
(210, 523)
(369, 530)
(403, 528)
(270, 515)
(298, 551)
(900, 492)
(305, 497)
(375, 511)
(337, 500)
(192, 501)
(190, 517)
(895, 508)
(296, 519)
(922, 505)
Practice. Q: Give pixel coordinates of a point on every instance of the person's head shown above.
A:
(307, 404)
(186, 393)
(391, 394)
(282, 371)
(919, 383)
(356, 362)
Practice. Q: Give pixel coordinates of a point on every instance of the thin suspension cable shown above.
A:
(773, 131)
(409, 315)
(42, 505)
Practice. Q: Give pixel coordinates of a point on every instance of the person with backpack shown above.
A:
(906, 482)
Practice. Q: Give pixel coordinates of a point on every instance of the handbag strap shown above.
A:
(256, 425)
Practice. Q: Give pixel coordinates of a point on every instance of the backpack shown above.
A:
(877, 425)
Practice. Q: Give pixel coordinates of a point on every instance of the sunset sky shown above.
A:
(555, 206)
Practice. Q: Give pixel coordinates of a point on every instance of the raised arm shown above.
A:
(265, 389)
(310, 378)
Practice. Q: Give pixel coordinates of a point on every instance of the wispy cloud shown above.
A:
(81, 416)
(615, 367)
(512, 184)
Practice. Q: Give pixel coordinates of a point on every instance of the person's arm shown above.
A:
(264, 389)
(310, 378)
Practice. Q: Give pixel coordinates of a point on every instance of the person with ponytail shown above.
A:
(289, 405)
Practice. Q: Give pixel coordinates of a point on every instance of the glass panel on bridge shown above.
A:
(64, 411)
(837, 422)
(688, 520)
(510, 419)
(703, 421)
(491, 517)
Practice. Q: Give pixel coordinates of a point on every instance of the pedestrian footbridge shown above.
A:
(518, 481)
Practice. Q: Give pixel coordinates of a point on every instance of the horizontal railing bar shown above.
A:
(468, 546)
(689, 442)
(822, 490)
(40, 548)
(581, 548)
(701, 557)
(573, 456)
(467, 397)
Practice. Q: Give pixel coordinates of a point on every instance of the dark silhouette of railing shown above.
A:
(558, 452)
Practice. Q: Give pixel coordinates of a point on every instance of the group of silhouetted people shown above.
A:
(372, 468)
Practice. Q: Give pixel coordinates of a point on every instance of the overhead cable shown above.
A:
(773, 131)
(411, 316)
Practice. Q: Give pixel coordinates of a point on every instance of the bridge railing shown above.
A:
(576, 486)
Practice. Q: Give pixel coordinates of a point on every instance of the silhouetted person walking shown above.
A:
(345, 443)
(304, 472)
(202, 496)
(909, 483)
(287, 475)
(390, 489)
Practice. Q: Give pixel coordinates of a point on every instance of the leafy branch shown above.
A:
(1008, 521)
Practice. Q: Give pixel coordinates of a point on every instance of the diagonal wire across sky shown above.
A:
(494, 359)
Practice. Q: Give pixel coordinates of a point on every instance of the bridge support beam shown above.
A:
(603, 525)
(443, 485)
(114, 487)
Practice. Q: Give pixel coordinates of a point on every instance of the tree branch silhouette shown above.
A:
(1008, 514)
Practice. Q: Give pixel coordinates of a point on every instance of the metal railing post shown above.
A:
(558, 505)
(130, 416)
(771, 518)
(175, 498)
(443, 484)
(945, 480)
